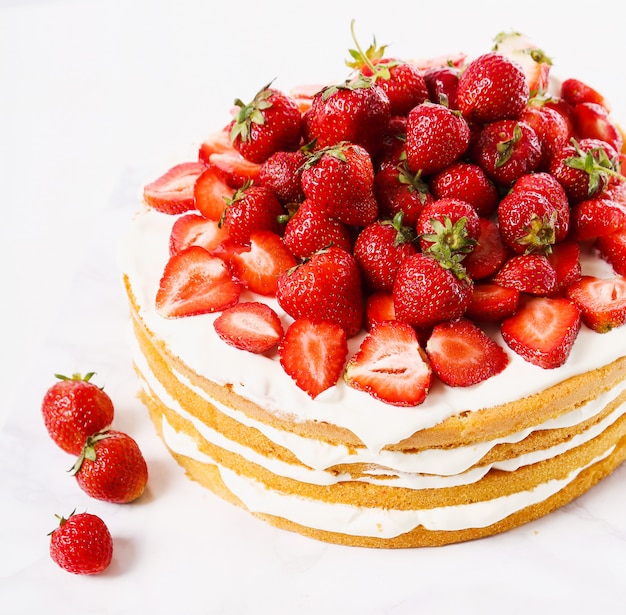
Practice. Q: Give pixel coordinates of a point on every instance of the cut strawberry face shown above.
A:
(195, 230)
(602, 301)
(195, 282)
(251, 326)
(211, 193)
(543, 331)
(391, 366)
(173, 192)
(462, 354)
(235, 168)
(313, 354)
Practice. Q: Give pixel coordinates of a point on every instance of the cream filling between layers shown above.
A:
(143, 255)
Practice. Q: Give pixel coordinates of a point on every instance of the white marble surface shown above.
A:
(97, 97)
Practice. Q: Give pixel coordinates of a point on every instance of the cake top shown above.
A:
(407, 238)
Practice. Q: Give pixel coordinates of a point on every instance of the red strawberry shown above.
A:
(340, 179)
(612, 248)
(74, 409)
(592, 121)
(380, 248)
(173, 192)
(565, 260)
(436, 137)
(211, 192)
(466, 182)
(442, 83)
(81, 544)
(575, 91)
(252, 326)
(271, 122)
(327, 286)
(551, 128)
(398, 190)
(488, 254)
(378, 308)
(235, 168)
(584, 169)
(259, 264)
(533, 61)
(313, 353)
(310, 229)
(598, 216)
(111, 468)
(196, 230)
(391, 153)
(357, 112)
(492, 88)
(506, 150)
(543, 331)
(391, 366)
(602, 302)
(546, 185)
(217, 142)
(462, 354)
(492, 302)
(195, 282)
(528, 273)
(252, 208)
(425, 293)
(282, 172)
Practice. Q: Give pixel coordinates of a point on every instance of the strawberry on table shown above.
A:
(543, 331)
(313, 353)
(391, 366)
(75, 408)
(111, 467)
(271, 122)
(173, 192)
(252, 326)
(462, 354)
(602, 302)
(81, 544)
(195, 282)
(327, 286)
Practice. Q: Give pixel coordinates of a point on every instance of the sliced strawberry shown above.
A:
(211, 193)
(612, 248)
(543, 331)
(251, 326)
(592, 121)
(173, 192)
(488, 254)
(196, 230)
(391, 366)
(492, 302)
(313, 354)
(575, 92)
(216, 143)
(195, 282)
(602, 302)
(378, 308)
(235, 168)
(259, 264)
(462, 354)
(565, 260)
(528, 273)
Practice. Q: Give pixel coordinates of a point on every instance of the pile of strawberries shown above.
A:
(110, 467)
(424, 203)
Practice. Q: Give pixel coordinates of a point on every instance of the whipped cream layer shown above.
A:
(143, 253)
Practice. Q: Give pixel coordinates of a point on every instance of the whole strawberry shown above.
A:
(81, 544)
(74, 409)
(281, 173)
(436, 137)
(271, 122)
(111, 468)
(327, 286)
(492, 88)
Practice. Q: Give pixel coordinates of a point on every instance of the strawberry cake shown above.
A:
(389, 312)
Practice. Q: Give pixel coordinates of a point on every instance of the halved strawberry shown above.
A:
(378, 308)
(462, 354)
(195, 282)
(173, 192)
(195, 230)
(391, 366)
(543, 331)
(259, 264)
(313, 354)
(211, 193)
(592, 121)
(612, 248)
(492, 302)
(216, 143)
(235, 168)
(575, 92)
(250, 325)
(602, 302)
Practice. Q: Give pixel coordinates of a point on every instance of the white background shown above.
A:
(98, 97)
